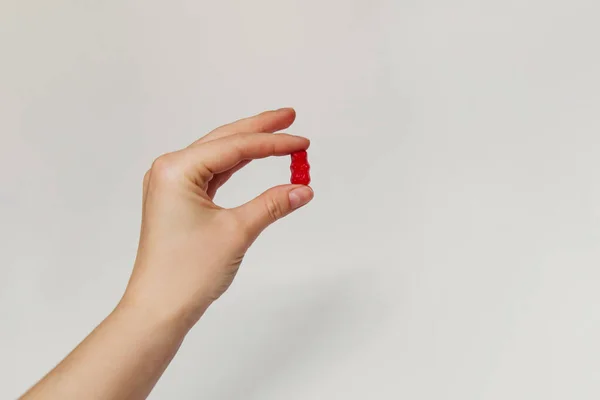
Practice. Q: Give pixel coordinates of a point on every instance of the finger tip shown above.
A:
(300, 195)
(306, 187)
(289, 112)
(291, 115)
(287, 109)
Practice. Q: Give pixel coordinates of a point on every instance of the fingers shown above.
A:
(203, 162)
(268, 122)
(272, 205)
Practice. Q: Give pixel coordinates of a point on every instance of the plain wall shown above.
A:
(452, 249)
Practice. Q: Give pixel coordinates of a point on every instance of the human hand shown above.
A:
(190, 248)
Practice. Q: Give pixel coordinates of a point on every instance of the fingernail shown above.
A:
(300, 196)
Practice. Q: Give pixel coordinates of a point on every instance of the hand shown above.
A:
(190, 248)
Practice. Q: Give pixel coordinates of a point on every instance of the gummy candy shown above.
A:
(300, 168)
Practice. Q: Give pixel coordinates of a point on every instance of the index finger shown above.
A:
(213, 157)
(268, 121)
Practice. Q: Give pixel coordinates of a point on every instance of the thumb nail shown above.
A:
(300, 196)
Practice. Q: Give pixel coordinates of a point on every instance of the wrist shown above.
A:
(156, 317)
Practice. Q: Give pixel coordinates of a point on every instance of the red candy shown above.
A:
(300, 168)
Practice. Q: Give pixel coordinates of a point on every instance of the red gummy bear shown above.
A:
(300, 168)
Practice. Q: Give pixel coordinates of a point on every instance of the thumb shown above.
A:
(272, 205)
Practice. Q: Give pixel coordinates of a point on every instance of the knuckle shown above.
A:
(162, 162)
(257, 143)
(247, 137)
(274, 209)
(164, 168)
(240, 140)
(238, 143)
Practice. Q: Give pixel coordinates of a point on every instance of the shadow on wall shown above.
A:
(317, 325)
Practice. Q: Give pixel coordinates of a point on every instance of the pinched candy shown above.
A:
(300, 168)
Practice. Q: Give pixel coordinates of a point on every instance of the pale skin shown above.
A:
(189, 252)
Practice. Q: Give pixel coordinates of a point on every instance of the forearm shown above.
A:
(121, 359)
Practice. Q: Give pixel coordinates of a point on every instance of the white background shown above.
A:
(452, 250)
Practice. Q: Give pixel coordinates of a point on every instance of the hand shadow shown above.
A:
(314, 320)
